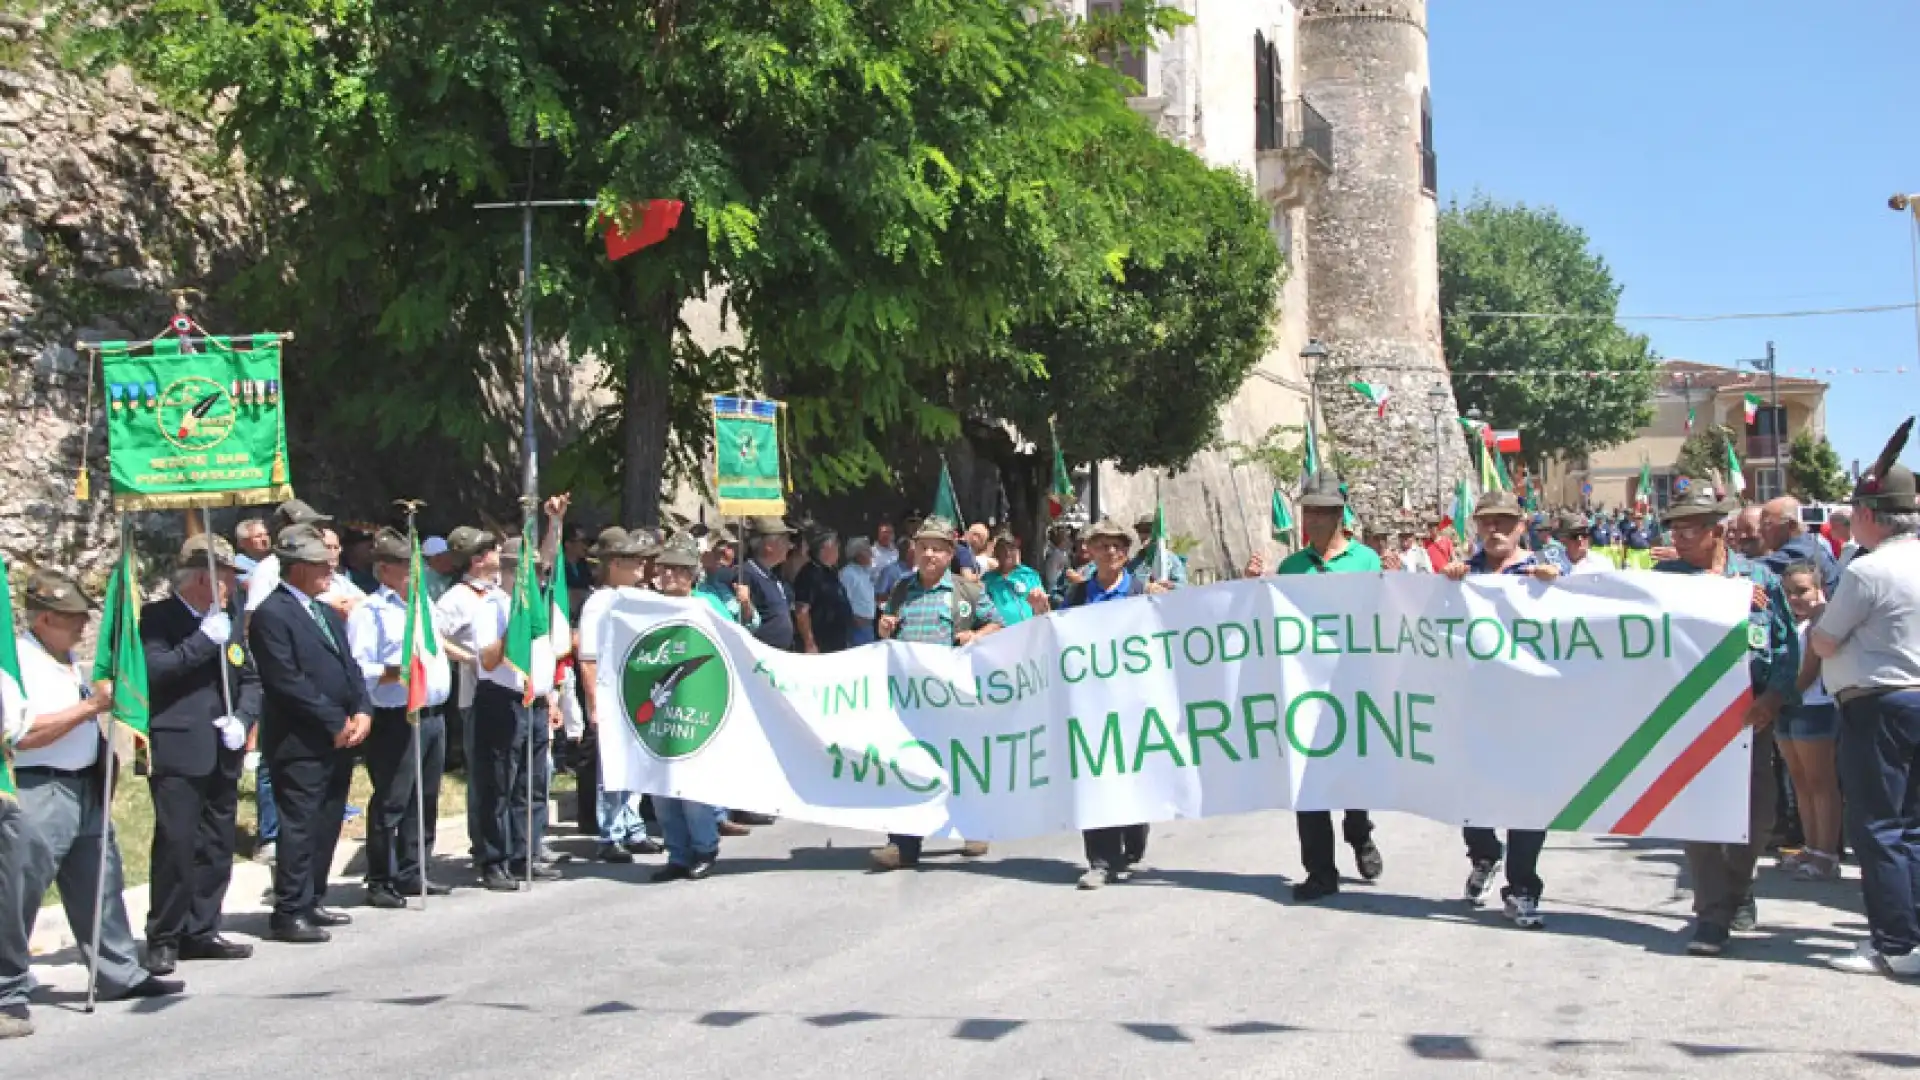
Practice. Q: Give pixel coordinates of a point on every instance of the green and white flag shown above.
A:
(1736, 477)
(1750, 406)
(747, 480)
(1162, 553)
(1060, 495)
(946, 505)
(13, 689)
(1644, 497)
(195, 429)
(1461, 516)
(1375, 394)
(1282, 520)
(118, 655)
(531, 617)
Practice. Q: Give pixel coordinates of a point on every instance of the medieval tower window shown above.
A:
(1429, 163)
(1269, 95)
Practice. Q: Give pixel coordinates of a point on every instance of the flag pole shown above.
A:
(107, 770)
(412, 507)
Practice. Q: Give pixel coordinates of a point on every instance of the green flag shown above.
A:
(1162, 553)
(15, 689)
(945, 504)
(1282, 520)
(202, 428)
(1309, 455)
(1736, 476)
(119, 655)
(1061, 495)
(531, 617)
(1462, 512)
(422, 640)
(1645, 495)
(746, 458)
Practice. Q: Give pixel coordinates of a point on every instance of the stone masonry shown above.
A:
(1373, 259)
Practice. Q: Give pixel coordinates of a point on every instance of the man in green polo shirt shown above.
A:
(1328, 551)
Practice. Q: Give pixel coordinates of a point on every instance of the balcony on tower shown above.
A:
(1293, 148)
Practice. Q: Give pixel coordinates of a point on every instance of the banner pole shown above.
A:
(420, 807)
(213, 580)
(107, 770)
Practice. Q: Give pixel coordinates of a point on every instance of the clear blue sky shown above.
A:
(1722, 155)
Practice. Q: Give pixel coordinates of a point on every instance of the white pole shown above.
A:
(420, 807)
(100, 877)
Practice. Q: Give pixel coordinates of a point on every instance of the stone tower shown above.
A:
(1372, 257)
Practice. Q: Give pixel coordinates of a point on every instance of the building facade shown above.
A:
(1691, 397)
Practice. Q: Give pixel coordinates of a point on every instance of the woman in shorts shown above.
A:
(1806, 739)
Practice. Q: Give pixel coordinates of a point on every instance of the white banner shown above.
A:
(1603, 704)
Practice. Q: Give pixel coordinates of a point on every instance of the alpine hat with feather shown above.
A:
(1889, 486)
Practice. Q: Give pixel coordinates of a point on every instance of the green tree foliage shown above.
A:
(1704, 455)
(1512, 257)
(884, 188)
(1814, 473)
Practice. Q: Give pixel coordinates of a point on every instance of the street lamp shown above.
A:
(1312, 356)
(1774, 416)
(1437, 397)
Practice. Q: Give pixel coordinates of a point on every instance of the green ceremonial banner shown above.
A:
(746, 457)
(946, 504)
(119, 655)
(187, 429)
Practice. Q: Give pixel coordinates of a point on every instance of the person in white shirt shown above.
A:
(341, 594)
(377, 635)
(59, 771)
(16, 960)
(264, 578)
(471, 616)
(885, 553)
(1413, 554)
(1576, 535)
(857, 578)
(623, 559)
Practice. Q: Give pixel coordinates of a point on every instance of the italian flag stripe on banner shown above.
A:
(1720, 680)
(423, 638)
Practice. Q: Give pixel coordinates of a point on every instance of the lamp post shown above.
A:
(1437, 398)
(1774, 416)
(1312, 356)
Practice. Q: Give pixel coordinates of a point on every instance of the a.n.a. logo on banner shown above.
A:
(676, 689)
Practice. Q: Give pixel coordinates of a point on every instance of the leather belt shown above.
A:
(48, 770)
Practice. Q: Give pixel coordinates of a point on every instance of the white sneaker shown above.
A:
(1867, 960)
(1093, 878)
(1523, 910)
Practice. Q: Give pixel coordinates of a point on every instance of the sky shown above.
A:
(1722, 156)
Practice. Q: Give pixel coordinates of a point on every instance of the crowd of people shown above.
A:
(283, 651)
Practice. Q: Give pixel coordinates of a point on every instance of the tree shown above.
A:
(884, 188)
(1136, 371)
(1704, 454)
(1589, 382)
(1814, 473)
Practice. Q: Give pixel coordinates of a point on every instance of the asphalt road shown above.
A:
(792, 963)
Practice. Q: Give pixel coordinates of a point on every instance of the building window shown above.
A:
(1429, 163)
(1768, 432)
(1766, 484)
(1266, 97)
(1662, 491)
(1132, 62)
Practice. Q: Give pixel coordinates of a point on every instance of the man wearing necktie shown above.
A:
(314, 710)
(197, 742)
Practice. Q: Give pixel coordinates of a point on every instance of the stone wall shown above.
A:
(107, 202)
(1373, 257)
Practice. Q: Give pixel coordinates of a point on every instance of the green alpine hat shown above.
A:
(1699, 501)
(1322, 489)
(392, 546)
(1889, 485)
(1497, 504)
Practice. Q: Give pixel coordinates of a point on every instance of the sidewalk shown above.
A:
(248, 891)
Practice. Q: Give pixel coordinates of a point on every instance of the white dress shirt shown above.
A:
(52, 686)
(377, 632)
(474, 615)
(262, 581)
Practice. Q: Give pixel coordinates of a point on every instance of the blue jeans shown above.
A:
(1879, 758)
(620, 817)
(861, 634)
(269, 830)
(692, 830)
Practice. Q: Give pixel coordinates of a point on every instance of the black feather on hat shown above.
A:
(1890, 485)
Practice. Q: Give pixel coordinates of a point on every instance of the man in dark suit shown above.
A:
(197, 741)
(314, 710)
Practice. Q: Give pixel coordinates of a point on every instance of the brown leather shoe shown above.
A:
(734, 828)
(973, 849)
(889, 858)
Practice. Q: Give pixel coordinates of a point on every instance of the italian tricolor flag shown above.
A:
(1374, 393)
(1751, 405)
(423, 639)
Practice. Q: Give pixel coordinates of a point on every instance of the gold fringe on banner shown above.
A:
(82, 490)
(205, 500)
